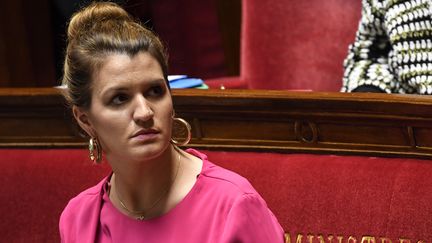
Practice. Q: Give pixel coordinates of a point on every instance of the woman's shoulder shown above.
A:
(236, 203)
(221, 178)
(84, 203)
(78, 221)
(227, 179)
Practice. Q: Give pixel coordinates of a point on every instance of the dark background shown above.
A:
(202, 37)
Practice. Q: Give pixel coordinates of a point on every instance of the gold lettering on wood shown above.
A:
(299, 238)
(330, 238)
(288, 238)
(310, 238)
(368, 239)
(320, 238)
(352, 239)
(385, 240)
(402, 240)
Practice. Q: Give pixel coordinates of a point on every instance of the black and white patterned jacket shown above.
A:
(393, 48)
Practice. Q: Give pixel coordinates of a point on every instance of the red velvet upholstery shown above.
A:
(296, 45)
(35, 187)
(339, 196)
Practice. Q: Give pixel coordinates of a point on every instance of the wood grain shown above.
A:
(274, 121)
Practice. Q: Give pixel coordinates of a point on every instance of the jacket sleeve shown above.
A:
(409, 27)
(250, 220)
(367, 62)
(392, 49)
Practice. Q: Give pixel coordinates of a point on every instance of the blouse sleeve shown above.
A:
(367, 63)
(250, 220)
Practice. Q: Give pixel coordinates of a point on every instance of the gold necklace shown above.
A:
(140, 215)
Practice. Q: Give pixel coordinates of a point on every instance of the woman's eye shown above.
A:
(155, 91)
(119, 99)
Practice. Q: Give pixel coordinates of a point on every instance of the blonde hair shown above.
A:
(96, 31)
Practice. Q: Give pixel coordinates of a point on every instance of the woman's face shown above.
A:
(131, 109)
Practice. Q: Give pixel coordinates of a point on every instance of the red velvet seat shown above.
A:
(348, 198)
(296, 45)
(341, 196)
(36, 185)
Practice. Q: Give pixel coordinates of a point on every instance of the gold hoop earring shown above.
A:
(95, 151)
(187, 130)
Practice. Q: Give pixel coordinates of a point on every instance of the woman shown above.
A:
(116, 77)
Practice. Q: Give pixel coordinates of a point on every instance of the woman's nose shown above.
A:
(143, 111)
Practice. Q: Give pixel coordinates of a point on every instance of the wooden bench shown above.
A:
(333, 167)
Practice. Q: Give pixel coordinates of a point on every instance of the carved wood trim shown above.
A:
(277, 121)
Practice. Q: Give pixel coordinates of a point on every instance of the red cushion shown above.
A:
(296, 45)
(35, 187)
(310, 194)
(227, 83)
(341, 195)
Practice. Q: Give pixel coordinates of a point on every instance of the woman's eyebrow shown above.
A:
(112, 89)
(117, 87)
(156, 81)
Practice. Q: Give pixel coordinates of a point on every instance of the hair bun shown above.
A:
(96, 14)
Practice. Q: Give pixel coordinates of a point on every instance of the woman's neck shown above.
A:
(145, 188)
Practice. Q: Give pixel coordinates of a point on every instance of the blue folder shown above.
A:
(183, 81)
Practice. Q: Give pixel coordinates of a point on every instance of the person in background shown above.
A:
(392, 52)
(115, 74)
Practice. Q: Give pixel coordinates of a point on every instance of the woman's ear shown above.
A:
(83, 120)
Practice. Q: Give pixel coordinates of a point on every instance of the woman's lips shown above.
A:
(145, 135)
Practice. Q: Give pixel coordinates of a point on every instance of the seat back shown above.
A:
(317, 198)
(296, 44)
(341, 199)
(36, 186)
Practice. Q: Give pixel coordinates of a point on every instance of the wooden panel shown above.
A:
(373, 124)
(26, 55)
(339, 123)
(423, 137)
(229, 16)
(15, 51)
(35, 117)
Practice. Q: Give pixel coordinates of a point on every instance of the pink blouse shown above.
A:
(221, 207)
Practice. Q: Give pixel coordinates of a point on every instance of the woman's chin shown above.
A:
(147, 152)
